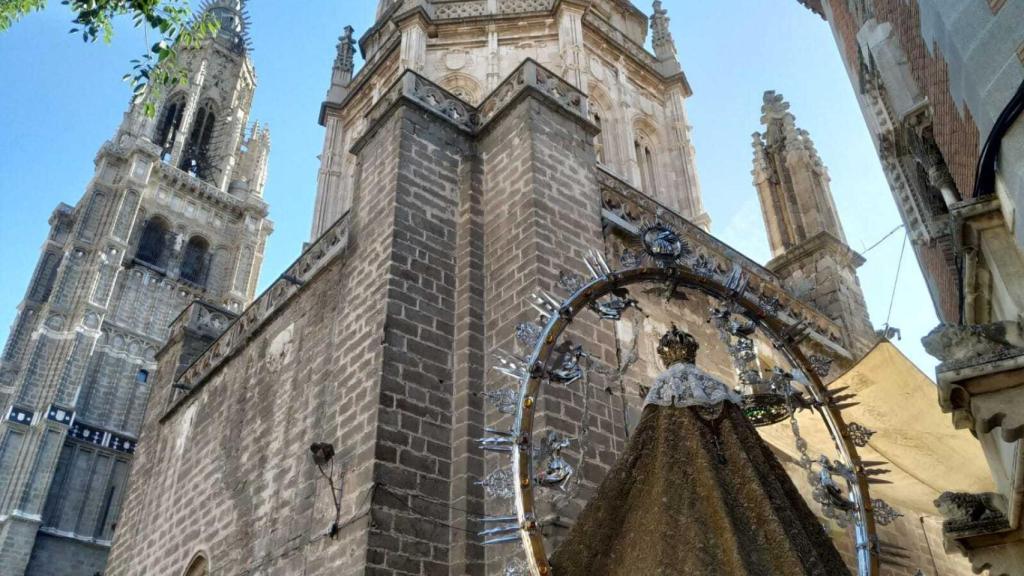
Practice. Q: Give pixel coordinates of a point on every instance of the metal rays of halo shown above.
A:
(660, 254)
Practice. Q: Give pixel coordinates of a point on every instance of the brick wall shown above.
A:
(229, 471)
(383, 354)
(541, 214)
(955, 130)
(409, 533)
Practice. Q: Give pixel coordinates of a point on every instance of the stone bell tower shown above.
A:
(809, 249)
(173, 214)
(636, 98)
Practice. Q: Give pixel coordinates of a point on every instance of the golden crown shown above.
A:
(677, 346)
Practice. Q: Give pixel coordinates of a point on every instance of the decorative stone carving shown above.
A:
(456, 10)
(963, 346)
(971, 514)
(456, 59)
(616, 36)
(632, 208)
(523, 6)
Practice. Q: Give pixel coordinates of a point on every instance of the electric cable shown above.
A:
(896, 281)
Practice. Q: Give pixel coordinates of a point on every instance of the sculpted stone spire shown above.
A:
(344, 66)
(661, 36)
(234, 22)
(809, 250)
(346, 52)
(791, 179)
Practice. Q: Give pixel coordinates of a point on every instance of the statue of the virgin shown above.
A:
(696, 492)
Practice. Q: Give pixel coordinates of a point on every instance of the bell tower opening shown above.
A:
(196, 158)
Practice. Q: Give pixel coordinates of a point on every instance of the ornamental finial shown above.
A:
(345, 60)
(661, 37)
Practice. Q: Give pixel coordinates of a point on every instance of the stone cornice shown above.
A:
(632, 208)
(963, 387)
(638, 53)
(257, 315)
(529, 78)
(207, 192)
(820, 242)
(182, 180)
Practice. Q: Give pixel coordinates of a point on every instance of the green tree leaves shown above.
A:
(155, 70)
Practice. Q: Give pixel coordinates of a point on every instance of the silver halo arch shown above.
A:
(679, 274)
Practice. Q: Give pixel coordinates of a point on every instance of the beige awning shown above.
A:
(926, 455)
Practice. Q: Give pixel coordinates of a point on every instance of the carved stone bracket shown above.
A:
(971, 514)
(981, 377)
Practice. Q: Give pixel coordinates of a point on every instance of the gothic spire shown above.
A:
(791, 179)
(344, 66)
(234, 22)
(661, 36)
(345, 60)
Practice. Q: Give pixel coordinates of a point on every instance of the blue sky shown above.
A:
(61, 99)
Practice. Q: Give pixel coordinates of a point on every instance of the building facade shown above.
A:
(174, 213)
(484, 150)
(941, 85)
(596, 46)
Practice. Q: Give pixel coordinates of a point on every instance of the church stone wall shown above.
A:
(76, 372)
(385, 349)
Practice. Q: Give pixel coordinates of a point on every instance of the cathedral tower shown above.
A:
(809, 250)
(173, 214)
(636, 98)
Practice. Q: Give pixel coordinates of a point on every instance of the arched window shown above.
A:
(647, 163)
(199, 567)
(599, 139)
(598, 104)
(170, 123)
(195, 261)
(153, 243)
(195, 159)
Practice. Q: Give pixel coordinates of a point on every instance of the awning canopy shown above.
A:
(926, 455)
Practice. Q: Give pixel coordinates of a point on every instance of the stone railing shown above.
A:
(411, 86)
(441, 11)
(631, 209)
(203, 318)
(475, 8)
(459, 10)
(524, 6)
(324, 250)
(183, 180)
(530, 75)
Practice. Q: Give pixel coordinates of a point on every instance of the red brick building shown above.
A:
(941, 85)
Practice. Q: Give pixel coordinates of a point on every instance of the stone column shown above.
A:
(195, 89)
(413, 51)
(570, 43)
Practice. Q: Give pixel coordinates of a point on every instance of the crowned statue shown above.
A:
(696, 492)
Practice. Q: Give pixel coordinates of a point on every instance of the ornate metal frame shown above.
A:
(521, 438)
